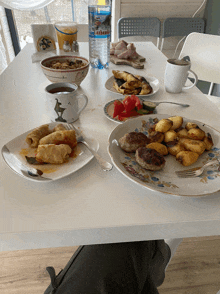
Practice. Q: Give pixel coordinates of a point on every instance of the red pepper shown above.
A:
(118, 108)
(126, 114)
(138, 102)
(129, 103)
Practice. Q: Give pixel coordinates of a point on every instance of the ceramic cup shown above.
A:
(176, 74)
(63, 102)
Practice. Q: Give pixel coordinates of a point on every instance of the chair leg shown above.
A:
(211, 88)
(158, 41)
(173, 244)
(161, 46)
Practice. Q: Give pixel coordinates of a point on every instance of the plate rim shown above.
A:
(145, 186)
(41, 180)
(146, 76)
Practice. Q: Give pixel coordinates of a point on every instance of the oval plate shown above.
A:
(154, 82)
(165, 180)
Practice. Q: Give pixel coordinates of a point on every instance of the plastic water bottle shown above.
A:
(99, 33)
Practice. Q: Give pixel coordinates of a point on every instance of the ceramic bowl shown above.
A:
(75, 76)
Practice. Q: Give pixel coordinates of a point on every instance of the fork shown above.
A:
(106, 166)
(181, 104)
(195, 172)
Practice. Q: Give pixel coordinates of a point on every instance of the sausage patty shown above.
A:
(130, 142)
(149, 158)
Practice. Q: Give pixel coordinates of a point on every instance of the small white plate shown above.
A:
(154, 82)
(18, 148)
(109, 110)
(165, 180)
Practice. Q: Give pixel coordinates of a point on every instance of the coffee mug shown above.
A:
(62, 101)
(176, 74)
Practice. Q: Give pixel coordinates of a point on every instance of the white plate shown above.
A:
(18, 149)
(154, 82)
(165, 180)
(109, 110)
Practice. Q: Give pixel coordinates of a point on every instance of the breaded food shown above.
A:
(183, 133)
(162, 149)
(156, 136)
(169, 136)
(193, 145)
(208, 142)
(59, 127)
(190, 125)
(177, 122)
(175, 148)
(187, 158)
(149, 159)
(196, 134)
(163, 125)
(130, 142)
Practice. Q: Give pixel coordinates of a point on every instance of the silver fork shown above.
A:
(181, 104)
(195, 172)
(106, 166)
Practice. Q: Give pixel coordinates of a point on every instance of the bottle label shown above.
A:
(99, 23)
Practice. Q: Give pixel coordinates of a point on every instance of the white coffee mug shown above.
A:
(176, 74)
(62, 101)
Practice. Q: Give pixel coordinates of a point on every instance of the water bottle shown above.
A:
(99, 33)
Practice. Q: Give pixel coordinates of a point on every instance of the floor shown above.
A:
(194, 269)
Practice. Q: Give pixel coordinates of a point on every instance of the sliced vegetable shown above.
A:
(118, 108)
(143, 111)
(138, 102)
(149, 105)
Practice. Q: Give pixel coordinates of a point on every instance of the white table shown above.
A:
(92, 206)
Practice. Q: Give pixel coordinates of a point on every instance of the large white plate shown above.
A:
(154, 82)
(165, 180)
(18, 148)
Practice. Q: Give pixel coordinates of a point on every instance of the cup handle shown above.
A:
(86, 102)
(195, 82)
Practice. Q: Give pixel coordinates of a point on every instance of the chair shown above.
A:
(203, 51)
(139, 26)
(176, 26)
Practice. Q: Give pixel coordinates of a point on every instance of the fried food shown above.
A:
(177, 122)
(129, 84)
(130, 142)
(187, 158)
(208, 142)
(162, 149)
(193, 145)
(169, 136)
(149, 158)
(183, 133)
(196, 134)
(156, 136)
(190, 125)
(175, 148)
(60, 137)
(163, 125)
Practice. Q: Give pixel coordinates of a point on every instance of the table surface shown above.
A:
(92, 206)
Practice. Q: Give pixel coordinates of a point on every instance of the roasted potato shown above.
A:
(177, 122)
(193, 145)
(163, 125)
(175, 149)
(187, 158)
(190, 125)
(156, 136)
(162, 149)
(208, 142)
(196, 134)
(182, 133)
(170, 136)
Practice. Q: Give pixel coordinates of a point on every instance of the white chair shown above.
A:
(204, 53)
